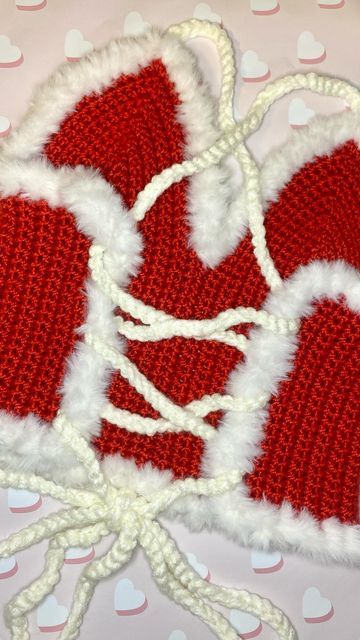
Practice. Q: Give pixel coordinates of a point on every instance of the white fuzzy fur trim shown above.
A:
(100, 214)
(29, 443)
(98, 210)
(319, 138)
(268, 360)
(125, 473)
(211, 192)
(218, 219)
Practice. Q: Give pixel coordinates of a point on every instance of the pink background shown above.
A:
(39, 35)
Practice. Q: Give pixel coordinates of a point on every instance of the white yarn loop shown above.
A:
(132, 517)
(199, 329)
(158, 325)
(234, 134)
(102, 508)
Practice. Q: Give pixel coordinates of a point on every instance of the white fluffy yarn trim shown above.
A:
(102, 508)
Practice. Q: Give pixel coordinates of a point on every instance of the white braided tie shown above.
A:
(105, 509)
(158, 325)
(101, 509)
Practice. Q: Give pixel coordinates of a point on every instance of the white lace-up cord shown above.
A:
(234, 134)
(104, 509)
(251, 175)
(166, 325)
(230, 141)
(159, 325)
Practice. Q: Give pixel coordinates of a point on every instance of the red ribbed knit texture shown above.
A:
(311, 437)
(42, 270)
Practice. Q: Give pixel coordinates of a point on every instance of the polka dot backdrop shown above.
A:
(271, 38)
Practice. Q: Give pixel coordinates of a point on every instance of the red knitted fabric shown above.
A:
(42, 270)
(312, 444)
(311, 436)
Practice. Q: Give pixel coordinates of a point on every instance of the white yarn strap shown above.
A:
(226, 145)
(102, 508)
(133, 518)
(201, 28)
(251, 187)
(184, 580)
(17, 609)
(234, 134)
(159, 325)
(161, 403)
(164, 325)
(84, 454)
(150, 426)
(200, 329)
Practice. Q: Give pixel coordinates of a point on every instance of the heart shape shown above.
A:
(130, 116)
(30, 5)
(5, 126)
(266, 562)
(22, 501)
(78, 555)
(252, 68)
(128, 601)
(264, 7)
(10, 54)
(309, 50)
(204, 11)
(299, 113)
(331, 4)
(246, 624)
(8, 567)
(199, 567)
(76, 45)
(51, 616)
(177, 634)
(134, 24)
(316, 608)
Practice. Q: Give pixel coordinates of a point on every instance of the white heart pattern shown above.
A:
(264, 7)
(177, 634)
(134, 24)
(299, 113)
(30, 5)
(203, 11)
(10, 54)
(51, 616)
(8, 567)
(263, 562)
(247, 625)
(331, 4)
(78, 555)
(309, 50)
(5, 126)
(128, 601)
(76, 46)
(23, 501)
(252, 68)
(200, 568)
(315, 607)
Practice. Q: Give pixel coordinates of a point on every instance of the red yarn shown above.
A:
(312, 444)
(42, 270)
(312, 434)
